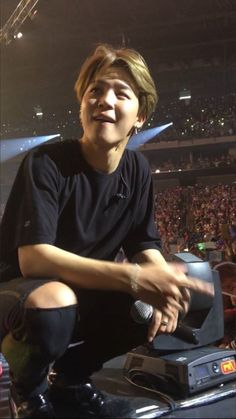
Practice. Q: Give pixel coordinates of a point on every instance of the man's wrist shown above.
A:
(134, 279)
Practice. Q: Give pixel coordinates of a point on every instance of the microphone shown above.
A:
(121, 196)
(142, 313)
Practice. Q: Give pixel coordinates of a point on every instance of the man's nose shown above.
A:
(107, 98)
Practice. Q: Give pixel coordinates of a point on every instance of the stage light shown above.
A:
(38, 111)
(15, 21)
(18, 35)
(143, 136)
(184, 94)
(17, 146)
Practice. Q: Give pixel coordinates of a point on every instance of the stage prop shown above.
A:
(187, 362)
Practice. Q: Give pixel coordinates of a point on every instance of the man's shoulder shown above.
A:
(58, 148)
(65, 155)
(137, 159)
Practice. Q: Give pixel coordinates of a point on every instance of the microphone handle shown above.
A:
(186, 333)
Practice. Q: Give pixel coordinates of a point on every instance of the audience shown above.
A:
(200, 117)
(193, 162)
(189, 215)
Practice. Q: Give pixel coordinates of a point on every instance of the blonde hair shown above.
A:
(106, 56)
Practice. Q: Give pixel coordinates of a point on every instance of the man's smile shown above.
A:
(103, 118)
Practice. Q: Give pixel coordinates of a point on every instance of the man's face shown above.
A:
(109, 108)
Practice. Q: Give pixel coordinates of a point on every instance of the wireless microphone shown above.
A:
(121, 196)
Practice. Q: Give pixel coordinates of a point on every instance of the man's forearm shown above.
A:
(149, 256)
(44, 260)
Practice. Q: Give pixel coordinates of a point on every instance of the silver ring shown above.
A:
(164, 323)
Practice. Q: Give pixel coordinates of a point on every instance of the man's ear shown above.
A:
(140, 122)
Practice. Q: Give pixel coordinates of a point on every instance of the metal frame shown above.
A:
(17, 18)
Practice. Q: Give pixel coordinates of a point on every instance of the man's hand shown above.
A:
(164, 287)
(156, 327)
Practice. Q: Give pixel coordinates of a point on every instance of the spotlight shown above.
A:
(184, 94)
(15, 147)
(143, 136)
(18, 35)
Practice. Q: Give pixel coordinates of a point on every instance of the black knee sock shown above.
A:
(43, 336)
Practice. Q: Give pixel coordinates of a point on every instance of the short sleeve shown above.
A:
(31, 213)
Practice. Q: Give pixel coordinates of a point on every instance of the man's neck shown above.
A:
(103, 159)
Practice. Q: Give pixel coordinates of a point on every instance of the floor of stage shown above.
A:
(216, 402)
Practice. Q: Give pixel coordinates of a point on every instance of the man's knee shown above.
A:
(51, 295)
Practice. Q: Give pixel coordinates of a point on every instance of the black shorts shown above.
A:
(95, 307)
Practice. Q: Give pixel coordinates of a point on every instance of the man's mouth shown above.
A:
(104, 118)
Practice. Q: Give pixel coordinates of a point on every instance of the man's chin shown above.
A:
(110, 142)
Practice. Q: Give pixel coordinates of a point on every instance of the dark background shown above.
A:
(187, 44)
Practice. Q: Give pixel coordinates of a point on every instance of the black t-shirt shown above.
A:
(58, 199)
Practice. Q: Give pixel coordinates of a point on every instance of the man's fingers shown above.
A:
(185, 301)
(192, 283)
(168, 325)
(198, 285)
(154, 326)
(186, 295)
(175, 304)
(179, 267)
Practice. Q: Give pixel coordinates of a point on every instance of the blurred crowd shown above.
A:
(190, 162)
(201, 117)
(193, 215)
(65, 123)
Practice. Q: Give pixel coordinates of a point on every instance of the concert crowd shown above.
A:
(190, 162)
(200, 117)
(187, 216)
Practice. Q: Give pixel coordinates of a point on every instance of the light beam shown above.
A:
(15, 147)
(144, 136)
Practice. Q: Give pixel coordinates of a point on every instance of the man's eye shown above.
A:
(123, 94)
(94, 89)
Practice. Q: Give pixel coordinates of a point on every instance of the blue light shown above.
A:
(17, 146)
(144, 136)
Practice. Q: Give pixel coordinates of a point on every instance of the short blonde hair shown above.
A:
(106, 56)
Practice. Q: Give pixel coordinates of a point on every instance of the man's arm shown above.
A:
(149, 255)
(157, 284)
(44, 260)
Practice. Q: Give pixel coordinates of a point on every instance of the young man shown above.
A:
(72, 207)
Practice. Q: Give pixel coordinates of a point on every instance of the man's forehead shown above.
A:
(119, 75)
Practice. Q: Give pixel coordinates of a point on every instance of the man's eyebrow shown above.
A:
(120, 84)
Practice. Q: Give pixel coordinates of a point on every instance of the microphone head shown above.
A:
(141, 312)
